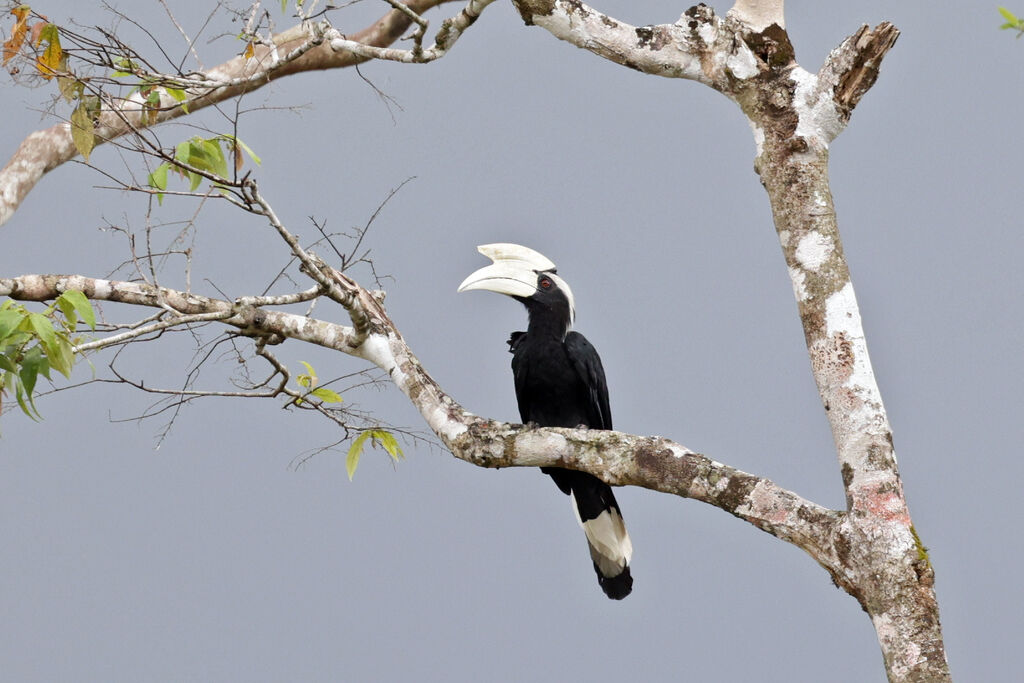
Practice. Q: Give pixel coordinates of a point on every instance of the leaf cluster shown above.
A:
(1013, 22)
(31, 344)
(198, 158)
(42, 35)
(309, 381)
(376, 437)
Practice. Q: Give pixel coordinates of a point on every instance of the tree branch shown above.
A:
(449, 33)
(622, 459)
(297, 49)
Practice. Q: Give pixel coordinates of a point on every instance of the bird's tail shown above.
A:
(610, 548)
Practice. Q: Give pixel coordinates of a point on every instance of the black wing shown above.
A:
(519, 373)
(588, 366)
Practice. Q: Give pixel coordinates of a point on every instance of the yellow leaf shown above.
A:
(49, 62)
(250, 50)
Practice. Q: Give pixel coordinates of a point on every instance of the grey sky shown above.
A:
(213, 558)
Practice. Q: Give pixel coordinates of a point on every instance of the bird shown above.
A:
(560, 382)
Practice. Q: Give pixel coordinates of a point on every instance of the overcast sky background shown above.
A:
(215, 558)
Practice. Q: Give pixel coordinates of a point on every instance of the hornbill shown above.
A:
(560, 383)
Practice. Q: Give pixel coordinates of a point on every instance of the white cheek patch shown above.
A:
(564, 286)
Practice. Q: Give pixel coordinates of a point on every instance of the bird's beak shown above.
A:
(514, 271)
(504, 277)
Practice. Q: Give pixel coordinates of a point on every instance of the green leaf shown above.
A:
(248, 150)
(7, 364)
(60, 356)
(181, 151)
(36, 363)
(307, 381)
(385, 438)
(68, 309)
(124, 67)
(82, 306)
(83, 131)
(309, 369)
(390, 443)
(158, 179)
(28, 408)
(179, 95)
(31, 366)
(9, 320)
(1008, 15)
(354, 451)
(70, 88)
(215, 154)
(43, 328)
(326, 395)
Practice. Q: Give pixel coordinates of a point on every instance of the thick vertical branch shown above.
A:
(885, 565)
(795, 115)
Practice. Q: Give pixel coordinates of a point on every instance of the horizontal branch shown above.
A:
(622, 459)
(449, 33)
(699, 46)
(250, 319)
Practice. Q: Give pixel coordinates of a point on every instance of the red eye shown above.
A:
(546, 284)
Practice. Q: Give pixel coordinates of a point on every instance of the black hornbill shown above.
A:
(560, 383)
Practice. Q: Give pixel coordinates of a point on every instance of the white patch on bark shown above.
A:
(707, 33)
(759, 14)
(535, 448)
(758, 136)
(798, 278)
(679, 451)
(449, 429)
(843, 317)
(813, 250)
(817, 116)
(742, 63)
(103, 289)
(375, 348)
(841, 314)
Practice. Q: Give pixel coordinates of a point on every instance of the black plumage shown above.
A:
(560, 382)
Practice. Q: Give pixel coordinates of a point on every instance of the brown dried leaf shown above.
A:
(36, 32)
(18, 32)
